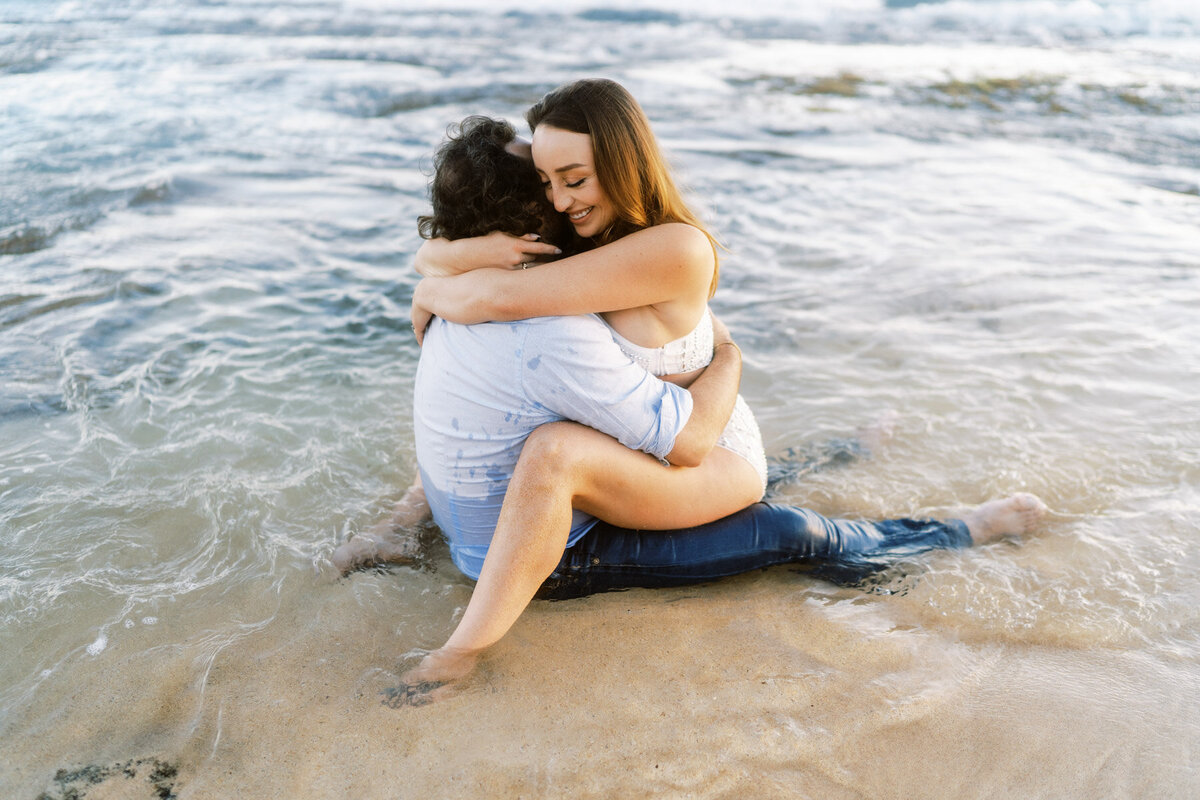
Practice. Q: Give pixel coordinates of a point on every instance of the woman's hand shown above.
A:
(470, 298)
(443, 257)
(516, 252)
(421, 317)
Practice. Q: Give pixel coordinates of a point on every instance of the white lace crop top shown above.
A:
(693, 351)
(689, 352)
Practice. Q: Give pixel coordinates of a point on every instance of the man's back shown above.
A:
(482, 389)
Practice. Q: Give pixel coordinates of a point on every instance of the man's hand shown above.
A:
(392, 540)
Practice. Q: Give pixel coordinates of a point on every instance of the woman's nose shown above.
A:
(560, 199)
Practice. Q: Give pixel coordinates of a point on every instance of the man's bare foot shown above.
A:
(1012, 516)
(392, 540)
(376, 547)
(438, 676)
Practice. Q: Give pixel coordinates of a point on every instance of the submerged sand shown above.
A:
(768, 685)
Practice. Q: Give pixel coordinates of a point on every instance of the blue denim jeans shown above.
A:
(763, 535)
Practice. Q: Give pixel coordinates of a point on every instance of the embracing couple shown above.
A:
(577, 421)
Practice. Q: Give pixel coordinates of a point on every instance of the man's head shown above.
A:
(481, 184)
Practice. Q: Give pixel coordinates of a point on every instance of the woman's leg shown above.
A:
(564, 466)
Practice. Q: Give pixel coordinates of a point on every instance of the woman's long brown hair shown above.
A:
(628, 162)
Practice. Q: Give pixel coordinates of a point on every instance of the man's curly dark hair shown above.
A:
(479, 187)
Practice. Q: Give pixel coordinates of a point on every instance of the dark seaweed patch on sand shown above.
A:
(158, 778)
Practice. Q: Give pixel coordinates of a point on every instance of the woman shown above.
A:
(628, 487)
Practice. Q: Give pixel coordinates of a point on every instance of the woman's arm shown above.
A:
(443, 257)
(714, 393)
(651, 266)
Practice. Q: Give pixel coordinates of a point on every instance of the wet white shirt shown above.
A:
(482, 389)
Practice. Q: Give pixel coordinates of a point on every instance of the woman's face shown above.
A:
(564, 162)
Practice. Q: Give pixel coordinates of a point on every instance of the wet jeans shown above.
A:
(765, 534)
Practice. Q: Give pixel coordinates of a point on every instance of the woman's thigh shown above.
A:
(631, 489)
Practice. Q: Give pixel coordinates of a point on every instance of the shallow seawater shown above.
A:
(981, 216)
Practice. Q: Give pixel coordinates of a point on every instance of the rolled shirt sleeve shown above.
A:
(583, 376)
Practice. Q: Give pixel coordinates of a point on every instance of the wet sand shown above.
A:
(771, 684)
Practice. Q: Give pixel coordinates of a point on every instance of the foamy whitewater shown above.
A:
(983, 216)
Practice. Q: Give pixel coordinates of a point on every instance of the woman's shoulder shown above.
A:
(678, 244)
(677, 233)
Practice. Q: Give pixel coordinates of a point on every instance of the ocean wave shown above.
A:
(1044, 93)
(58, 212)
(377, 101)
(636, 16)
(873, 20)
(1176, 186)
(1109, 115)
(31, 235)
(19, 58)
(99, 286)
(26, 239)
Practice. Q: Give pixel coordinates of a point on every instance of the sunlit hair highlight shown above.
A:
(629, 165)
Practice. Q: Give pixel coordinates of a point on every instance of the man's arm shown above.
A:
(578, 371)
(714, 393)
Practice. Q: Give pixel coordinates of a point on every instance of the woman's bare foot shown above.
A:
(438, 676)
(376, 547)
(1012, 516)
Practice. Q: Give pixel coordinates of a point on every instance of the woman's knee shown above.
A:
(555, 445)
(552, 455)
